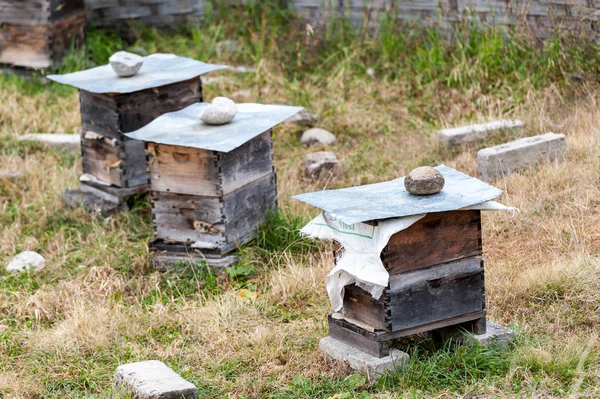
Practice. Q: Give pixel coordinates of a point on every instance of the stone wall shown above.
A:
(541, 16)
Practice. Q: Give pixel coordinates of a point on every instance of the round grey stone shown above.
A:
(318, 136)
(25, 261)
(424, 181)
(222, 110)
(126, 64)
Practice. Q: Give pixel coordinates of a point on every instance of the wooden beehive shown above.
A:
(436, 280)
(106, 153)
(114, 165)
(37, 33)
(212, 200)
(210, 186)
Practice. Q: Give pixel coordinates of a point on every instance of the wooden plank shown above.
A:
(68, 31)
(99, 114)
(138, 109)
(246, 207)
(247, 163)
(188, 219)
(103, 158)
(135, 171)
(437, 238)
(360, 305)
(353, 338)
(182, 249)
(438, 293)
(24, 45)
(25, 12)
(183, 170)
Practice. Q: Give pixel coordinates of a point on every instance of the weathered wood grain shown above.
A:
(183, 170)
(246, 208)
(25, 12)
(103, 158)
(440, 292)
(188, 219)
(60, 9)
(247, 163)
(437, 238)
(99, 114)
(360, 305)
(342, 332)
(66, 32)
(135, 171)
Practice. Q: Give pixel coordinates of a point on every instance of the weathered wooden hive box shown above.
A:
(428, 248)
(114, 166)
(210, 186)
(37, 33)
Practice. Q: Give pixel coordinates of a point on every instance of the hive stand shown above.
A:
(37, 33)
(206, 203)
(114, 165)
(436, 280)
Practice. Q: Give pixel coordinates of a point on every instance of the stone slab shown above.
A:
(153, 379)
(320, 165)
(495, 336)
(91, 202)
(373, 367)
(504, 159)
(465, 134)
(70, 141)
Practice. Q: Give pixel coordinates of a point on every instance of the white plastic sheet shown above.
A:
(361, 263)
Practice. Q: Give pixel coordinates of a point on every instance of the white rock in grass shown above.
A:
(318, 136)
(126, 64)
(222, 110)
(26, 261)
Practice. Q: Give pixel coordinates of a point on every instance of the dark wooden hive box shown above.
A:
(37, 33)
(436, 280)
(215, 200)
(109, 155)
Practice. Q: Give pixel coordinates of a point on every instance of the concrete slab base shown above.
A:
(167, 263)
(91, 202)
(373, 367)
(495, 336)
(153, 379)
(69, 141)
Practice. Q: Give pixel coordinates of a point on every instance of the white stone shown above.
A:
(495, 335)
(373, 367)
(321, 164)
(221, 111)
(125, 64)
(501, 160)
(318, 136)
(26, 261)
(464, 134)
(153, 379)
(70, 141)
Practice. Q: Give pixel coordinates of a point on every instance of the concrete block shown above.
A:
(495, 336)
(153, 379)
(465, 134)
(70, 141)
(501, 160)
(373, 367)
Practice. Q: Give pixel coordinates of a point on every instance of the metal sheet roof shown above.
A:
(391, 200)
(157, 70)
(184, 128)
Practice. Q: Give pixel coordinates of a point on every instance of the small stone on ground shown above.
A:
(26, 261)
(70, 141)
(495, 336)
(318, 136)
(320, 165)
(91, 202)
(362, 362)
(303, 118)
(153, 379)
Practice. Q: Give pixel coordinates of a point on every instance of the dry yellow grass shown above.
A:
(542, 266)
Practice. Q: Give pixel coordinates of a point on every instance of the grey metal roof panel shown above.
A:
(157, 70)
(391, 200)
(184, 128)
